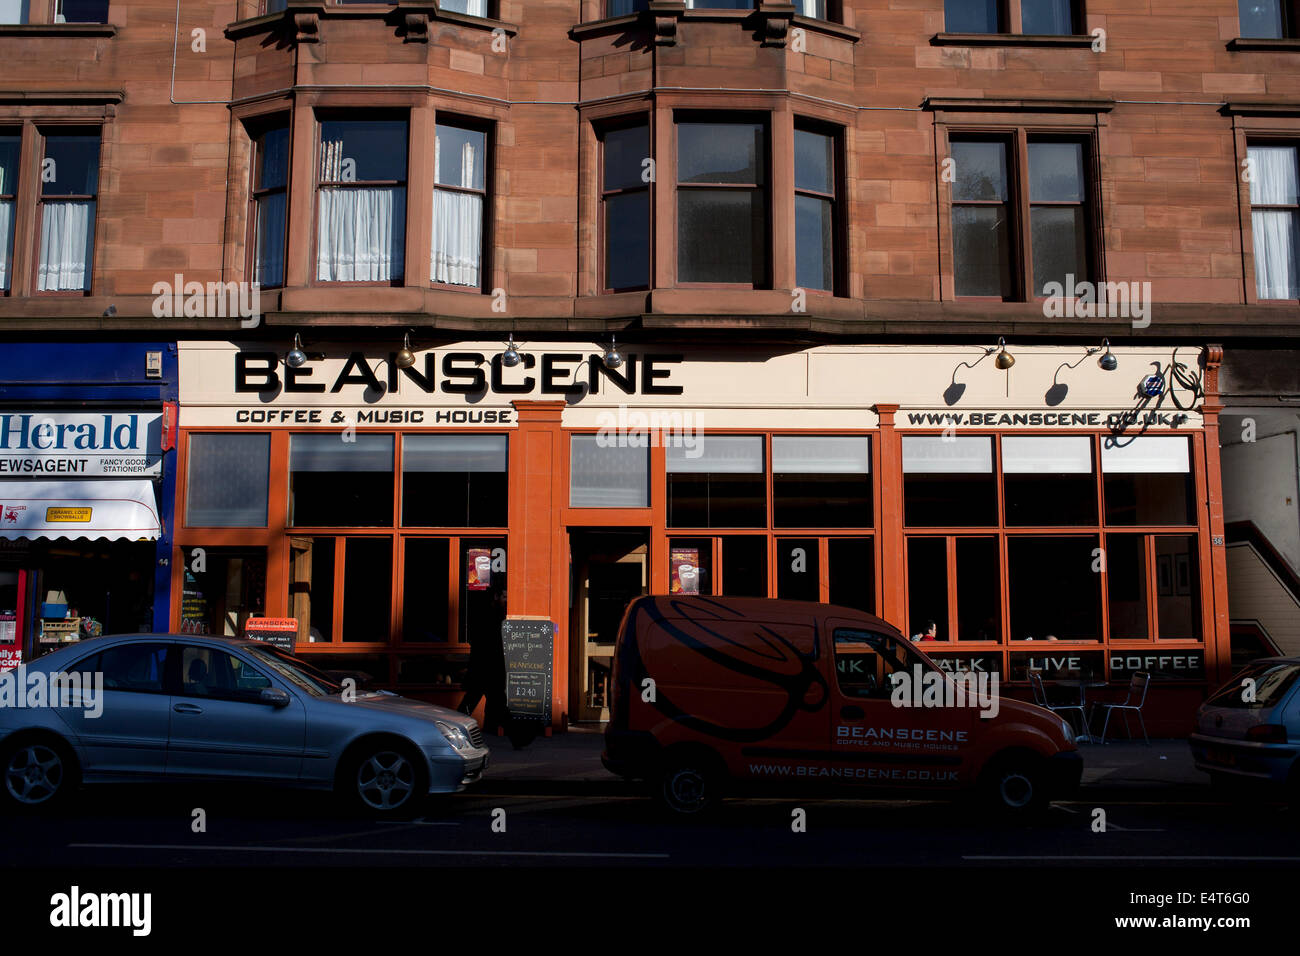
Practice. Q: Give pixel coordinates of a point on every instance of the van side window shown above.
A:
(864, 660)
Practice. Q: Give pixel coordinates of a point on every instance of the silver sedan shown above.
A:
(187, 707)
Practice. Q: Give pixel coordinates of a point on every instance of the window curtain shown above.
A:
(6, 240)
(13, 11)
(1274, 182)
(457, 225)
(812, 8)
(475, 8)
(270, 241)
(67, 234)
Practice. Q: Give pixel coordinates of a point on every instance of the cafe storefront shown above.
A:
(1056, 513)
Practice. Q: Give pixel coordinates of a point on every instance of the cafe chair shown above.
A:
(1137, 696)
(1040, 698)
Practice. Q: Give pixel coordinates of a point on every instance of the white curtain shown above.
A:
(13, 11)
(6, 240)
(67, 236)
(361, 234)
(457, 225)
(812, 8)
(269, 269)
(475, 8)
(1275, 182)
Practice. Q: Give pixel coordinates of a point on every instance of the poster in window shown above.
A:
(1182, 574)
(1165, 575)
(478, 569)
(685, 570)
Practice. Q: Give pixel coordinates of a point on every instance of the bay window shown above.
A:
(1267, 19)
(459, 201)
(817, 210)
(1028, 17)
(1275, 220)
(722, 231)
(69, 184)
(625, 207)
(10, 147)
(361, 211)
(270, 204)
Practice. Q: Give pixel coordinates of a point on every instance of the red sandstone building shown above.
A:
(807, 225)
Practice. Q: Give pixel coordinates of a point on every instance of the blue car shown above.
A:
(1248, 731)
(164, 707)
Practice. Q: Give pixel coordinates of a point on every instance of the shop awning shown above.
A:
(112, 509)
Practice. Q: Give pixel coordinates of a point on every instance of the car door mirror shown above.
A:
(274, 697)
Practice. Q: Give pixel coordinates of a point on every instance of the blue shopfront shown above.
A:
(87, 479)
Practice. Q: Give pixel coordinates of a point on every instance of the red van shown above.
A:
(715, 695)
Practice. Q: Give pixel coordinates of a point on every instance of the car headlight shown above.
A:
(455, 735)
(1068, 730)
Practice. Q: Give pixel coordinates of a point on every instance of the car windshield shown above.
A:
(298, 672)
(1272, 680)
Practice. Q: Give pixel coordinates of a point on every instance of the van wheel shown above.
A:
(689, 785)
(1015, 786)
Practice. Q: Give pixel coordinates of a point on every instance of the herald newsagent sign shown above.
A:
(86, 444)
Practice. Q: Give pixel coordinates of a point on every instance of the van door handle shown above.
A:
(852, 712)
(187, 709)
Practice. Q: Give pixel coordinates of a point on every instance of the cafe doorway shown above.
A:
(607, 569)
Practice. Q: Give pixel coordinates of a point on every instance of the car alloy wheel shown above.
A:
(34, 775)
(385, 780)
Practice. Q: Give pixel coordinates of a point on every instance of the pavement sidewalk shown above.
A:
(569, 764)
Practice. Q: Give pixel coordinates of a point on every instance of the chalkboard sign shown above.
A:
(529, 647)
(279, 632)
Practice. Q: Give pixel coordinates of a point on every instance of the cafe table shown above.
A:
(1083, 683)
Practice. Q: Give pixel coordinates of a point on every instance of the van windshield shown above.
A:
(864, 661)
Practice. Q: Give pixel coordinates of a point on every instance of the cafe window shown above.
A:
(454, 481)
(722, 226)
(1041, 573)
(1147, 480)
(625, 206)
(1267, 19)
(949, 482)
(270, 205)
(851, 573)
(821, 481)
(817, 208)
(459, 203)
(1049, 481)
(1029, 192)
(10, 146)
(367, 589)
(798, 565)
(226, 480)
(1126, 587)
(69, 188)
(718, 482)
(1178, 587)
(361, 206)
(1275, 220)
(426, 570)
(311, 587)
(744, 566)
(341, 480)
(603, 474)
(1030, 17)
(954, 585)
(481, 603)
(690, 565)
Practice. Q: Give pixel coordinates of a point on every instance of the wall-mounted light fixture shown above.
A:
(510, 357)
(296, 357)
(405, 358)
(1005, 359)
(1107, 362)
(612, 358)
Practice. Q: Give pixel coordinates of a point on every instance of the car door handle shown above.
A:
(852, 712)
(187, 709)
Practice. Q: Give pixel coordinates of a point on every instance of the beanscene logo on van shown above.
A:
(934, 688)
